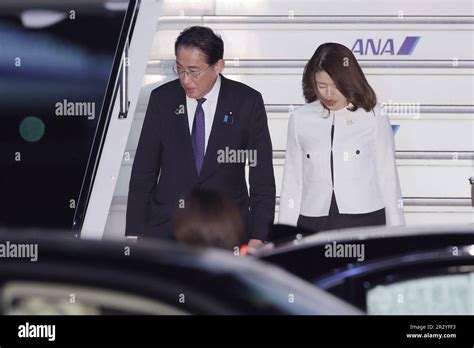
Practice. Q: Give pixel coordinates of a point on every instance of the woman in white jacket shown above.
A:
(340, 169)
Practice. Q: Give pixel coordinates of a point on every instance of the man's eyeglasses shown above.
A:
(194, 74)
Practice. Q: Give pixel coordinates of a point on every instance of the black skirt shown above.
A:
(335, 220)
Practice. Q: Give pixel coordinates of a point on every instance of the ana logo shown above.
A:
(379, 47)
(395, 128)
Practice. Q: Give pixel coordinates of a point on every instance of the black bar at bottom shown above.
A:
(290, 330)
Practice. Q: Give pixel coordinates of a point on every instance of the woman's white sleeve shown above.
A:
(387, 173)
(292, 185)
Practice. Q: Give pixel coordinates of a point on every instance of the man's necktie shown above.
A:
(198, 135)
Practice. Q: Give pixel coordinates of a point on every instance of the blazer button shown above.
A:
(358, 152)
(307, 155)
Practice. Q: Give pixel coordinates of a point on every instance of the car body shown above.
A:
(416, 270)
(73, 276)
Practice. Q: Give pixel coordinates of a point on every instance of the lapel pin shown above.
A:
(228, 118)
(180, 110)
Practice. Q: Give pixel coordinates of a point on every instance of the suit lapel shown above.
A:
(215, 138)
(184, 136)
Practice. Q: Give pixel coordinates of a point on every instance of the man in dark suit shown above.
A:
(198, 132)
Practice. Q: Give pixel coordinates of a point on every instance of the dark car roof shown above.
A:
(364, 234)
(191, 266)
(305, 256)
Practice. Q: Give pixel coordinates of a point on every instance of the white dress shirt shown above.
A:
(365, 171)
(209, 107)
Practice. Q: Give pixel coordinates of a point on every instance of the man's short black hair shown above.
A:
(208, 218)
(203, 38)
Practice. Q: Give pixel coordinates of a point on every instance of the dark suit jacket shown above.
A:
(165, 154)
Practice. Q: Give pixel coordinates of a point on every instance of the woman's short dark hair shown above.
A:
(208, 218)
(203, 38)
(341, 65)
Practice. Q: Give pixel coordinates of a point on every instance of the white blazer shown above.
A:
(365, 171)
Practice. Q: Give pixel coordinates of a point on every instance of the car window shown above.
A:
(437, 295)
(40, 298)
